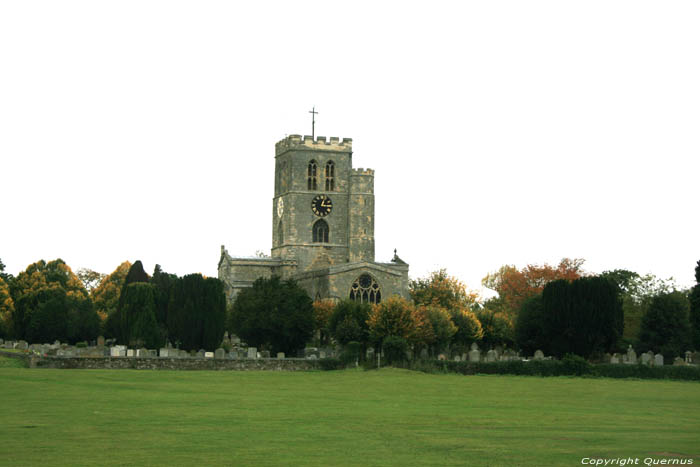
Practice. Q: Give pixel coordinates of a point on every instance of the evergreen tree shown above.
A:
(137, 316)
(665, 325)
(695, 309)
(348, 323)
(530, 331)
(163, 283)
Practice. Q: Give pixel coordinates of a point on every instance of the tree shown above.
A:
(694, 298)
(666, 326)
(441, 327)
(636, 291)
(442, 290)
(114, 324)
(7, 308)
(137, 316)
(514, 286)
(3, 275)
(197, 312)
(90, 278)
(163, 284)
(51, 303)
(530, 330)
(398, 317)
(497, 327)
(106, 295)
(582, 316)
(348, 323)
(273, 314)
(323, 310)
(469, 328)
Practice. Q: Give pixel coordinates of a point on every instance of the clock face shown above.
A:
(280, 207)
(321, 205)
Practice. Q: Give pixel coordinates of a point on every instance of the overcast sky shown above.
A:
(501, 132)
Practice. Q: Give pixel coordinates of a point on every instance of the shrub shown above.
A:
(81, 345)
(351, 353)
(327, 364)
(575, 365)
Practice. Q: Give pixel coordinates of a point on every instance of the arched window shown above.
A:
(312, 176)
(320, 231)
(330, 176)
(365, 289)
(280, 234)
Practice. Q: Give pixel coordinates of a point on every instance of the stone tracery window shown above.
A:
(312, 176)
(365, 289)
(320, 232)
(330, 176)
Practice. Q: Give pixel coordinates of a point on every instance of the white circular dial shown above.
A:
(280, 207)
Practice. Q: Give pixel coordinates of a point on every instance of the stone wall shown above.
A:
(161, 363)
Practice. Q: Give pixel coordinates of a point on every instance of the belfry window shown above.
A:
(365, 289)
(330, 176)
(320, 234)
(312, 176)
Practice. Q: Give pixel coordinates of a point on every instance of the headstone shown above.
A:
(369, 354)
(631, 355)
(464, 356)
(539, 355)
(2, 341)
(113, 351)
(130, 353)
(322, 354)
(60, 353)
(658, 360)
(491, 356)
(280, 355)
(311, 356)
(252, 352)
(142, 353)
(474, 354)
(678, 361)
(424, 353)
(688, 357)
(441, 356)
(22, 345)
(219, 353)
(615, 359)
(201, 353)
(647, 359)
(265, 354)
(235, 340)
(164, 352)
(183, 354)
(208, 354)
(458, 358)
(100, 341)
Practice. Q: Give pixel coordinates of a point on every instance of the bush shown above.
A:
(575, 365)
(327, 364)
(666, 326)
(394, 348)
(81, 345)
(351, 353)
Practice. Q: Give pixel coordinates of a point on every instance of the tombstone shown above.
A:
(100, 341)
(252, 352)
(631, 355)
(113, 351)
(458, 358)
(311, 356)
(322, 354)
(607, 357)
(474, 354)
(130, 353)
(235, 340)
(208, 354)
(264, 354)
(2, 341)
(647, 359)
(280, 355)
(22, 345)
(164, 352)
(441, 356)
(688, 357)
(184, 354)
(168, 345)
(678, 361)
(219, 353)
(615, 359)
(201, 353)
(424, 353)
(142, 353)
(539, 355)
(658, 360)
(491, 356)
(369, 354)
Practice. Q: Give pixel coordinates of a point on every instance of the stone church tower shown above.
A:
(322, 227)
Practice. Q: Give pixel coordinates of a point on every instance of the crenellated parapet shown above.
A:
(320, 143)
(361, 171)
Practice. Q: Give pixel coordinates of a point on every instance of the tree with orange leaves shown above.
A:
(515, 286)
(442, 290)
(323, 309)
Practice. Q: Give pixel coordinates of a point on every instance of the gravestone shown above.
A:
(474, 354)
(539, 355)
(688, 357)
(130, 353)
(615, 359)
(117, 351)
(252, 352)
(322, 354)
(280, 355)
(235, 340)
(311, 356)
(441, 356)
(646, 359)
(184, 354)
(424, 353)
(631, 355)
(208, 354)
(164, 352)
(219, 353)
(678, 361)
(458, 358)
(491, 356)
(100, 341)
(142, 353)
(201, 353)
(658, 360)
(2, 341)
(369, 354)
(22, 345)
(265, 354)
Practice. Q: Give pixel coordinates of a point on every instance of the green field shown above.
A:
(353, 417)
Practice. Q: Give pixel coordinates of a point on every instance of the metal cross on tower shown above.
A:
(313, 121)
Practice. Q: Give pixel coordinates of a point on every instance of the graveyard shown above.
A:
(349, 417)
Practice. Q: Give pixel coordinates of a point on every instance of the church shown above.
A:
(322, 228)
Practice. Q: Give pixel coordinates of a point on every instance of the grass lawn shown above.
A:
(353, 417)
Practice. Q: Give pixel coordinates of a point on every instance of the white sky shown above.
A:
(501, 132)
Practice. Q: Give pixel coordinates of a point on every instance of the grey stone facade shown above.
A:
(327, 254)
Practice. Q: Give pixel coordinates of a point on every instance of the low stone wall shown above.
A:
(164, 363)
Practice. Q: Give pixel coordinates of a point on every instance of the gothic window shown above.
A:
(330, 176)
(312, 176)
(320, 231)
(280, 234)
(365, 289)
